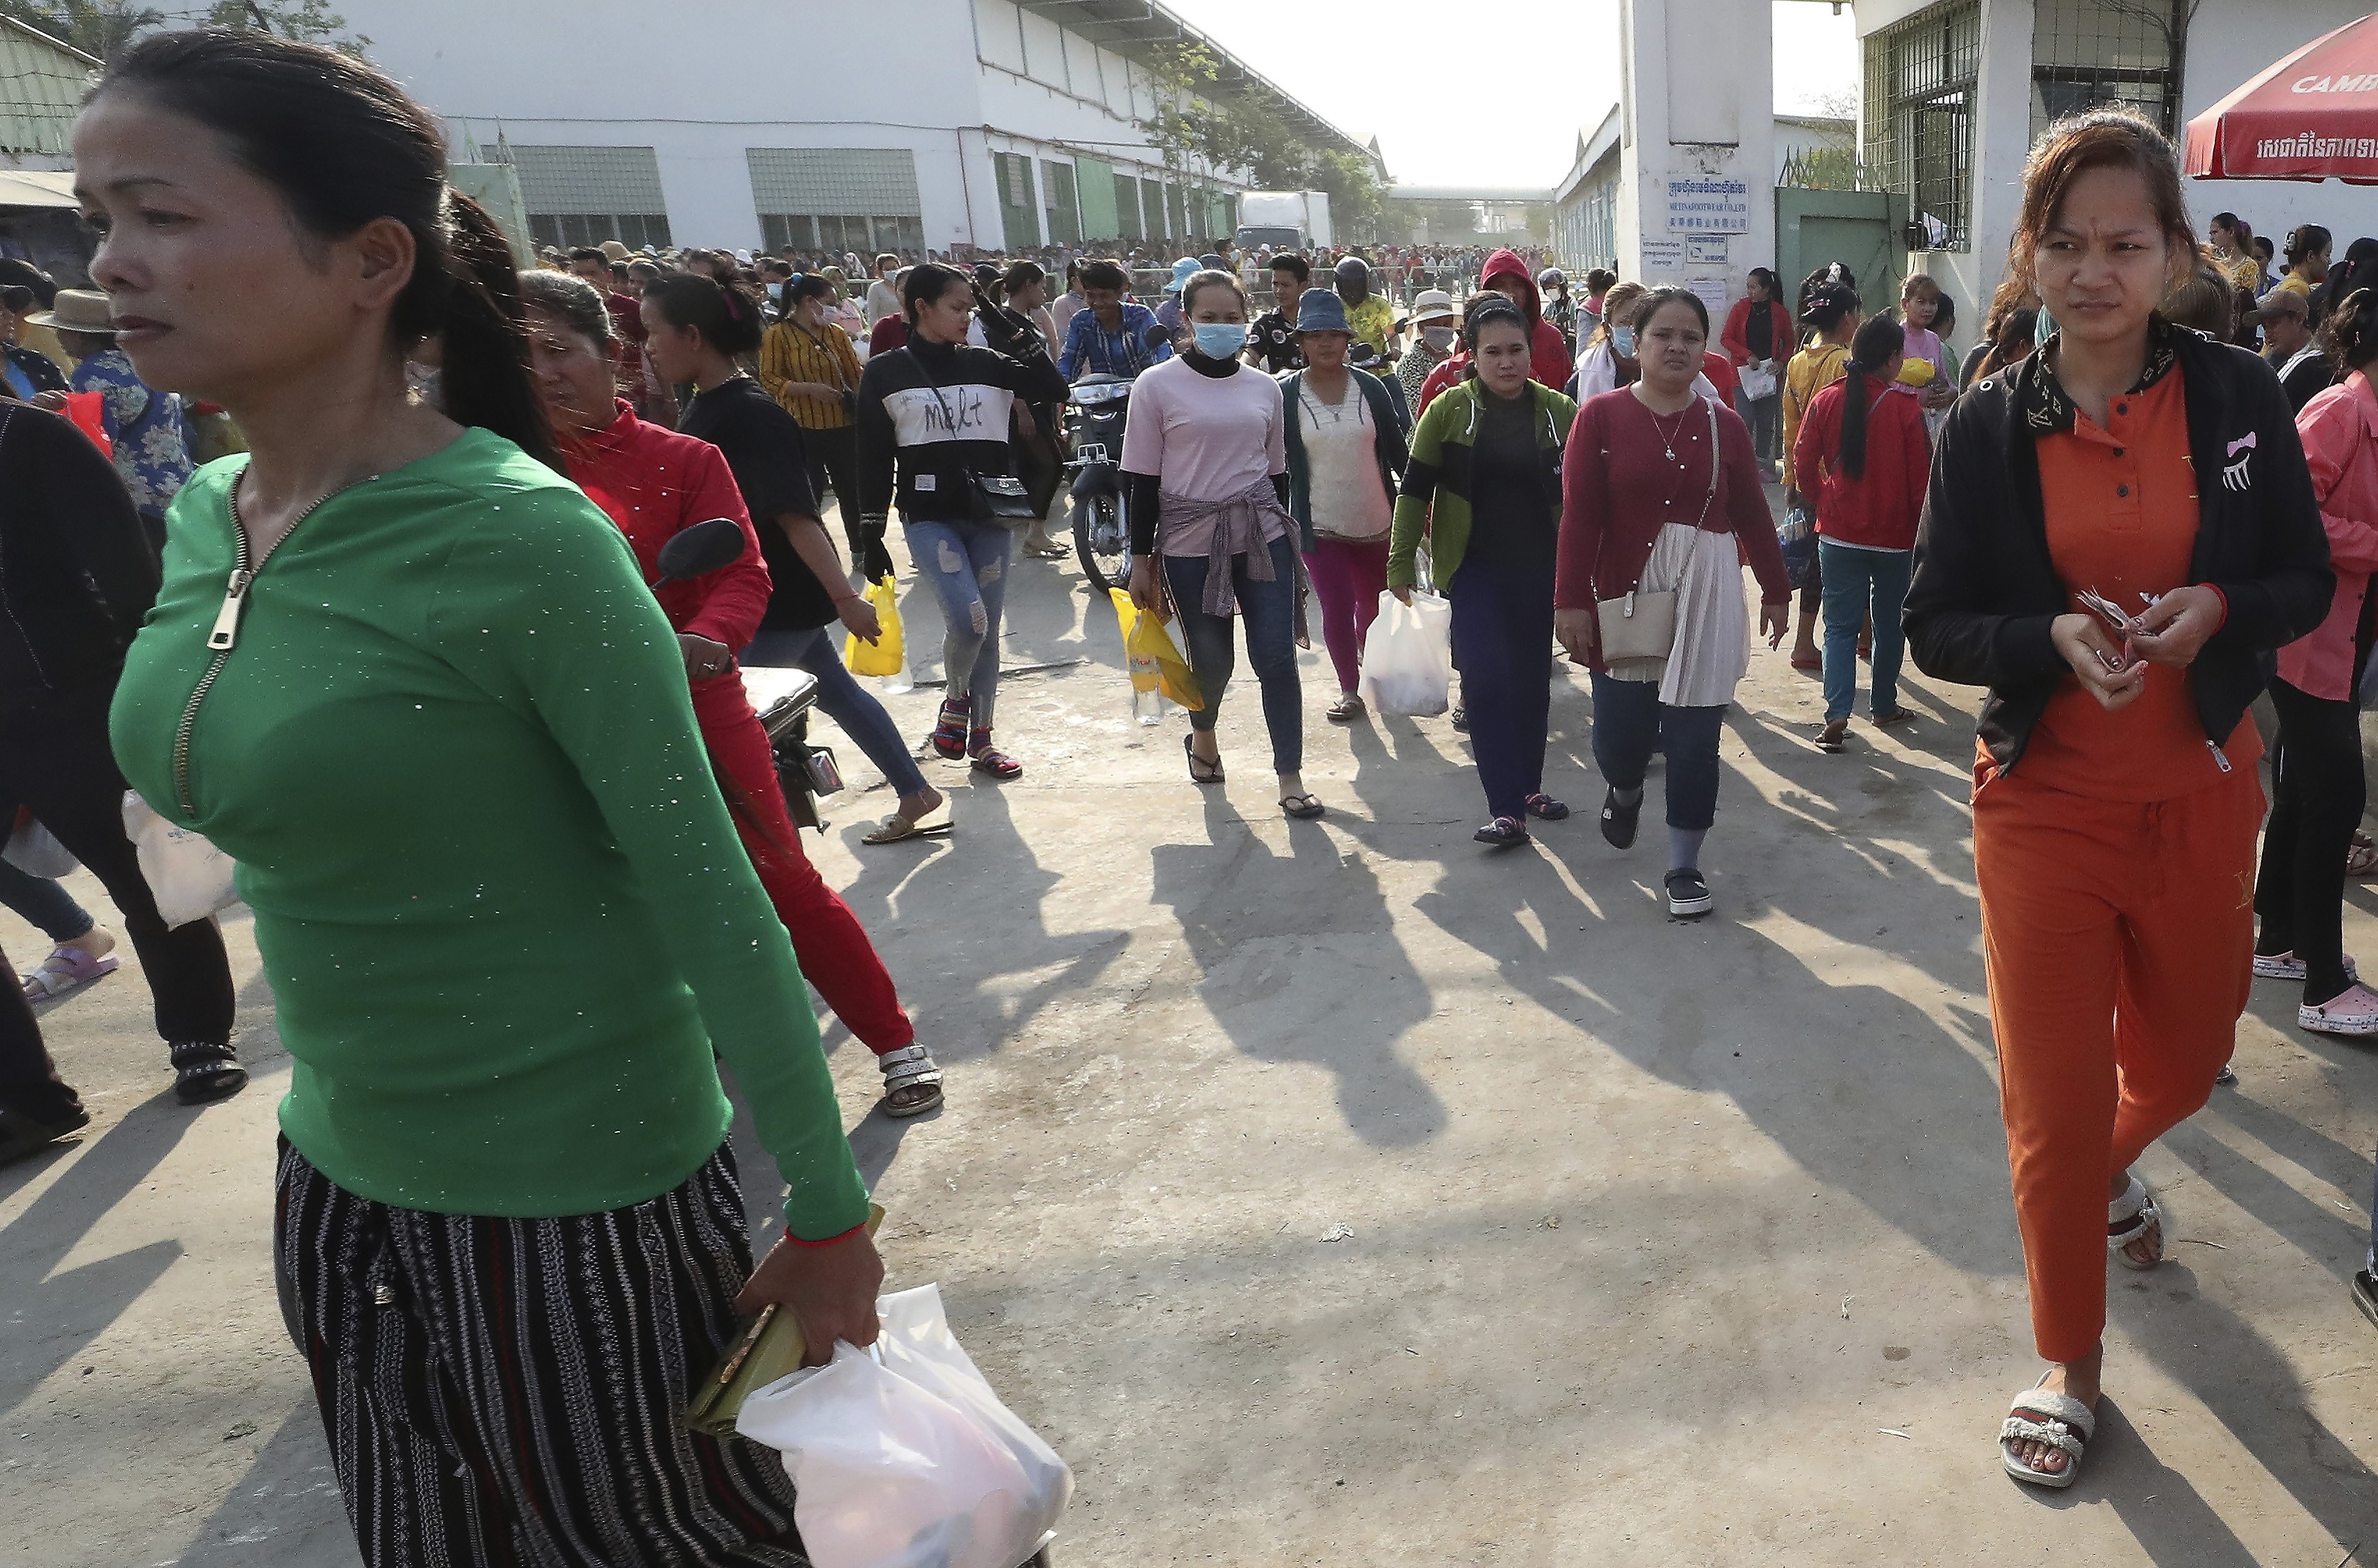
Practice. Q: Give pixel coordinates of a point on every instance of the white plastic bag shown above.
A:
(189, 877)
(903, 1457)
(1408, 657)
(35, 851)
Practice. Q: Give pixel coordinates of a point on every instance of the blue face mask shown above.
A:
(1220, 340)
(1622, 339)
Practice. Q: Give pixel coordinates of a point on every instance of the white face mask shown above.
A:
(1438, 338)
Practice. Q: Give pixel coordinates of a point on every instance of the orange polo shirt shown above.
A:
(2121, 519)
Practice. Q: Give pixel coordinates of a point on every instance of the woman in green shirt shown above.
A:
(413, 682)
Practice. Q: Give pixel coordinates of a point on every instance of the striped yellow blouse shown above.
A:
(788, 354)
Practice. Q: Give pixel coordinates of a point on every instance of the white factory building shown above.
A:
(894, 125)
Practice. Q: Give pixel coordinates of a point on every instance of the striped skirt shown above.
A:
(508, 1391)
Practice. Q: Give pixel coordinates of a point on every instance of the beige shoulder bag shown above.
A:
(1644, 625)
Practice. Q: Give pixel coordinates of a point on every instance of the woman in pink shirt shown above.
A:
(2319, 792)
(1205, 453)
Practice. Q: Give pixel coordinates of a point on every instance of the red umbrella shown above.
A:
(2312, 116)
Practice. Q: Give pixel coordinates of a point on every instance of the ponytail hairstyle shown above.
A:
(1879, 340)
(1833, 274)
(2350, 335)
(2304, 239)
(726, 314)
(1485, 309)
(927, 281)
(1019, 275)
(344, 146)
(1824, 306)
(570, 300)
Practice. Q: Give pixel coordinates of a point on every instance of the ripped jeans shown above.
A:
(967, 564)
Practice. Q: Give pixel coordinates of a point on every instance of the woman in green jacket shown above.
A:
(1485, 481)
(411, 680)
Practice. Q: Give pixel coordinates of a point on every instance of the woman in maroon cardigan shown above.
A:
(1660, 495)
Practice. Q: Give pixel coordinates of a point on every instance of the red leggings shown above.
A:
(1348, 578)
(835, 954)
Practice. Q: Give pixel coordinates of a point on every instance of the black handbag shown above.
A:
(999, 499)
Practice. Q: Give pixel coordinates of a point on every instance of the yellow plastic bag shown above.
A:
(883, 656)
(1156, 662)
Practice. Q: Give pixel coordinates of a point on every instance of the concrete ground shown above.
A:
(1338, 1192)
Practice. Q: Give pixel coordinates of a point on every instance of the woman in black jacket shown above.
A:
(76, 577)
(2119, 532)
(932, 422)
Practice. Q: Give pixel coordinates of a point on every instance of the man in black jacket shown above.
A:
(76, 577)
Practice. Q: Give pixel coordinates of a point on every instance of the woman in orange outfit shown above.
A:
(2142, 468)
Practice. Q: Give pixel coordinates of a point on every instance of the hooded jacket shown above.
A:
(1548, 350)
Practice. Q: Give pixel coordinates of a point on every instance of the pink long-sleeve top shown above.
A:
(2339, 427)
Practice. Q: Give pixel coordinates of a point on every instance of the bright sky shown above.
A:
(1450, 106)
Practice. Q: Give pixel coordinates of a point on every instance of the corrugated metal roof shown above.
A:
(41, 84)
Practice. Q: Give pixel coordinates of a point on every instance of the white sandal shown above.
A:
(909, 1067)
(2057, 1419)
(2136, 1212)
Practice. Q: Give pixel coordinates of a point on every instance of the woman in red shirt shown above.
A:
(1863, 455)
(2119, 532)
(1660, 495)
(653, 482)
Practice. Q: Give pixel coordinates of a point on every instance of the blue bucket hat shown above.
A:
(1183, 270)
(1318, 310)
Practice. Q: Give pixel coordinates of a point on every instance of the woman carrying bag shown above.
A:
(1866, 452)
(1345, 450)
(1485, 483)
(1661, 506)
(1206, 456)
(2119, 532)
(1830, 311)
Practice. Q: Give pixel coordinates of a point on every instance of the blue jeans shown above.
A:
(1857, 581)
(1503, 618)
(44, 904)
(967, 564)
(1629, 718)
(1270, 611)
(841, 698)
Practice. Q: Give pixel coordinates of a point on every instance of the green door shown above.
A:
(1863, 230)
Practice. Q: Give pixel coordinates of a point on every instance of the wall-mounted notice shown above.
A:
(1706, 250)
(1664, 260)
(1702, 203)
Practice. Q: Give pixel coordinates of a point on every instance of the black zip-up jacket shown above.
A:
(75, 572)
(930, 414)
(1985, 588)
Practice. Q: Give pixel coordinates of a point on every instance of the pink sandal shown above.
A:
(65, 968)
(984, 758)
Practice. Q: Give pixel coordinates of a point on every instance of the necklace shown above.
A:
(1668, 438)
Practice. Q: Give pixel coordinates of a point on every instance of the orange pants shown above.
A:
(2120, 942)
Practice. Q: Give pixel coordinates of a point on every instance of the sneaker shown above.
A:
(2287, 966)
(1688, 895)
(2352, 1012)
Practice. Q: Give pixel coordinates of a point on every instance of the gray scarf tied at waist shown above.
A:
(1239, 530)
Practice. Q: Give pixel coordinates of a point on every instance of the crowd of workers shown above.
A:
(406, 721)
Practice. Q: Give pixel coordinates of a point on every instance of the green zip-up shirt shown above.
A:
(504, 912)
(1436, 489)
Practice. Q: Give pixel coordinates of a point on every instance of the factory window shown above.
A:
(1064, 206)
(1919, 105)
(2095, 54)
(586, 195)
(837, 198)
(1126, 207)
(1019, 217)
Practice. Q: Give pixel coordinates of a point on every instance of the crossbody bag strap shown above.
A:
(1711, 404)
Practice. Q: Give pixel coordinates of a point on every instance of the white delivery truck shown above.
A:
(1284, 220)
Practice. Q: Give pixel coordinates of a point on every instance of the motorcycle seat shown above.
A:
(779, 695)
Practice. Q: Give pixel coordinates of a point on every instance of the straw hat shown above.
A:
(614, 252)
(1431, 305)
(77, 310)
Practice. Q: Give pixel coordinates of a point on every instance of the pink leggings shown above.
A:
(1347, 579)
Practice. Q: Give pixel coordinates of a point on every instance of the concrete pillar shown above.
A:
(1696, 144)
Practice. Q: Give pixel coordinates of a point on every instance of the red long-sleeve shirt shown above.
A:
(653, 483)
(1619, 489)
(1880, 508)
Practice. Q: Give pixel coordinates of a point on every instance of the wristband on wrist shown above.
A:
(2216, 593)
(845, 598)
(827, 1241)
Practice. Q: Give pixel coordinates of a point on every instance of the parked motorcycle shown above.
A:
(1094, 421)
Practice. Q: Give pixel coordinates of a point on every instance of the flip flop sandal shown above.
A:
(1835, 737)
(1891, 717)
(2057, 1419)
(1212, 773)
(910, 1068)
(1543, 807)
(1303, 808)
(2130, 1216)
(2362, 858)
(895, 827)
(204, 1072)
(66, 967)
(1346, 710)
(1800, 663)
